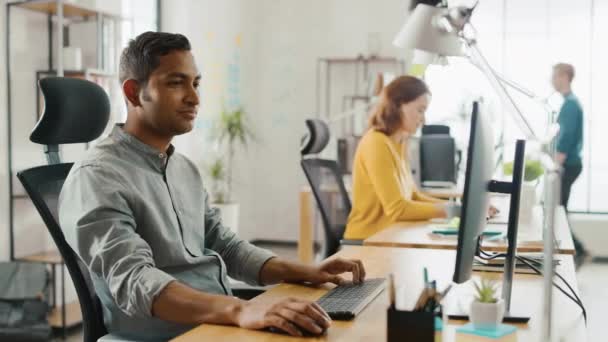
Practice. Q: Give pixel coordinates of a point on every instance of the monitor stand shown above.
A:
(513, 189)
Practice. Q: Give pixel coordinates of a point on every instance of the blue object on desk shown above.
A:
(500, 331)
(450, 231)
(438, 324)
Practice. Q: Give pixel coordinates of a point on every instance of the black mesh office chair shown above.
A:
(326, 183)
(439, 159)
(76, 111)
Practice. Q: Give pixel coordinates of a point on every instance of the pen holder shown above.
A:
(414, 326)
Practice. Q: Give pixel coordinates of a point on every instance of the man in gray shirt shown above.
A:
(137, 214)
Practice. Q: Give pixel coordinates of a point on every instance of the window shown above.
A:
(522, 40)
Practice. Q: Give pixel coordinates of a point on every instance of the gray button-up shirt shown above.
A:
(139, 219)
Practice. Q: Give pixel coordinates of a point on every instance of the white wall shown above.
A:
(4, 245)
(291, 36)
(591, 231)
(281, 41)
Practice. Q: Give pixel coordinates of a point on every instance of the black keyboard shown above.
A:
(346, 301)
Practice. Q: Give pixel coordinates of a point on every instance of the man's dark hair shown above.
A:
(143, 53)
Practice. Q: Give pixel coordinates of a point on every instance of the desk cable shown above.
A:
(534, 265)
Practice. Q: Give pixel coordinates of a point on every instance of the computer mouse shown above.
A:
(304, 332)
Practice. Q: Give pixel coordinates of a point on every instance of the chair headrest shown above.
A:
(435, 129)
(75, 111)
(317, 137)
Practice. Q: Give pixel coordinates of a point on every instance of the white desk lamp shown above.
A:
(446, 31)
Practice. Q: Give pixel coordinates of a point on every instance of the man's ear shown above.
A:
(131, 89)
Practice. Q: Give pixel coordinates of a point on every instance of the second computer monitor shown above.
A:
(475, 200)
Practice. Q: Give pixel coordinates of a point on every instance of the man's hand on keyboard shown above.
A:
(293, 316)
(329, 271)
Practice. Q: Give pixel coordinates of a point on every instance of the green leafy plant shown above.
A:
(217, 173)
(533, 169)
(233, 130)
(486, 291)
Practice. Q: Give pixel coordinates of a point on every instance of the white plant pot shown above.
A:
(487, 316)
(527, 202)
(229, 214)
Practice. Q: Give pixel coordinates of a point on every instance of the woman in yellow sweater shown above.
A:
(384, 191)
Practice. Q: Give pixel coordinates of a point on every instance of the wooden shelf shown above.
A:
(92, 72)
(47, 257)
(50, 7)
(73, 315)
(69, 10)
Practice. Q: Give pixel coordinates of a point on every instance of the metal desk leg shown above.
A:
(63, 313)
(53, 282)
(306, 238)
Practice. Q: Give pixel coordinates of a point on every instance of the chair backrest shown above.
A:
(332, 199)
(435, 129)
(43, 184)
(437, 158)
(325, 179)
(75, 111)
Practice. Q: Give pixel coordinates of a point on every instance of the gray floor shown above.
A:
(592, 282)
(593, 286)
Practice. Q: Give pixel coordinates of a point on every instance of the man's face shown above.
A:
(170, 99)
(558, 80)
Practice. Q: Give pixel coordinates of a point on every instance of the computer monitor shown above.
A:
(475, 200)
(477, 187)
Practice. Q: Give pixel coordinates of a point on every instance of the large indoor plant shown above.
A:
(487, 310)
(533, 170)
(232, 131)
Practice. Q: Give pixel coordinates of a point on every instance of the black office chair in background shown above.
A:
(439, 160)
(76, 111)
(327, 186)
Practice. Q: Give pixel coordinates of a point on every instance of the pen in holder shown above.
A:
(414, 326)
(421, 324)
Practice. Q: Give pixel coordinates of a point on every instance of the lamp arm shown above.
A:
(351, 112)
(517, 87)
(526, 92)
(480, 61)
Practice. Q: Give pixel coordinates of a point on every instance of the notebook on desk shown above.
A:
(497, 264)
(499, 219)
(438, 184)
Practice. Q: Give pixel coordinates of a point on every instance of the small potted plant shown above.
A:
(533, 170)
(487, 310)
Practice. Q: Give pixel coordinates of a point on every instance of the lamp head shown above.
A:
(422, 30)
(458, 17)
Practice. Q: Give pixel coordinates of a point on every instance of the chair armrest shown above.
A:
(247, 293)
(345, 242)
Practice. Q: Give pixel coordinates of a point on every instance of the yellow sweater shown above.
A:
(383, 191)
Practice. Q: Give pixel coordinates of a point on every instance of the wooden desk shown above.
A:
(306, 236)
(407, 266)
(418, 235)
